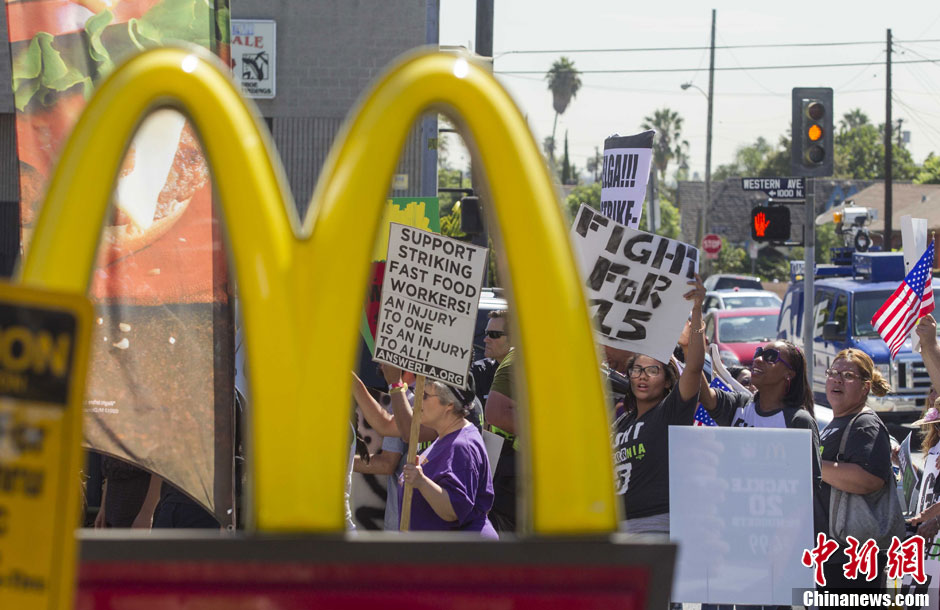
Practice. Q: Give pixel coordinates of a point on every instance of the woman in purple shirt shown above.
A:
(452, 477)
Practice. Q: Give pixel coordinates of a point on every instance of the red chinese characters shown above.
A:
(904, 558)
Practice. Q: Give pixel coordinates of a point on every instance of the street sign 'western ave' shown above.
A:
(777, 188)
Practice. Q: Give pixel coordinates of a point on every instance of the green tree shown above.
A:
(930, 172)
(566, 177)
(758, 159)
(669, 143)
(588, 193)
(859, 151)
(564, 81)
(731, 259)
(668, 219)
(595, 164)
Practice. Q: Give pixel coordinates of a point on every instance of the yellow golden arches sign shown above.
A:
(302, 287)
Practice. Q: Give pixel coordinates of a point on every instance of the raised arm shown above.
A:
(691, 378)
(929, 350)
(381, 420)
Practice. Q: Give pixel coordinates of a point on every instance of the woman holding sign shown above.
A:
(928, 497)
(657, 398)
(452, 476)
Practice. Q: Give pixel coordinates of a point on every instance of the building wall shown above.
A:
(328, 53)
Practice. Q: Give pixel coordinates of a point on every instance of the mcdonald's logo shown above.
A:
(302, 284)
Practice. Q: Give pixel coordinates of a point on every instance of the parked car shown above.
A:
(725, 281)
(737, 298)
(738, 332)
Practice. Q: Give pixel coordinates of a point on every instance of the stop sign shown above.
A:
(711, 243)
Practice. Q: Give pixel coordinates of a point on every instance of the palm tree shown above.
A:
(853, 119)
(669, 143)
(564, 82)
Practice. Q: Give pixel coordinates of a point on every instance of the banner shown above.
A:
(43, 360)
(741, 511)
(254, 56)
(419, 212)
(159, 391)
(430, 296)
(635, 282)
(627, 161)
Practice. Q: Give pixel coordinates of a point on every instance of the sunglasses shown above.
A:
(771, 355)
(494, 334)
(847, 376)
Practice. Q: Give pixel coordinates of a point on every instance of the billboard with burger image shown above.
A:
(160, 387)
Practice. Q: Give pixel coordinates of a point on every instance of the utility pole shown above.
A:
(483, 46)
(703, 212)
(429, 133)
(889, 155)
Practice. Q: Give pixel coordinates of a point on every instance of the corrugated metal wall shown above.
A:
(304, 142)
(9, 195)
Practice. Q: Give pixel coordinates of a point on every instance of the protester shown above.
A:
(742, 375)
(864, 467)
(500, 415)
(782, 398)
(129, 495)
(452, 477)
(658, 397)
(927, 517)
(496, 345)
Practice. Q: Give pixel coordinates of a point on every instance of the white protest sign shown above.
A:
(634, 282)
(430, 294)
(913, 243)
(741, 511)
(627, 162)
(925, 498)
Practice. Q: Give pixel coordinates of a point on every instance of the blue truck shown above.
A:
(847, 295)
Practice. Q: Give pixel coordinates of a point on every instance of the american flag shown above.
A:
(910, 302)
(701, 416)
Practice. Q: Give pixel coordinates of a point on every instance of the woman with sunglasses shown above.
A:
(783, 399)
(452, 477)
(657, 398)
(865, 465)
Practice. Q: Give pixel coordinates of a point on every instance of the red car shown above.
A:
(738, 332)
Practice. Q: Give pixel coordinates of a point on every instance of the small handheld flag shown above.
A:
(910, 302)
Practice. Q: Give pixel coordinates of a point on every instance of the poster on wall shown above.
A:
(254, 56)
(159, 391)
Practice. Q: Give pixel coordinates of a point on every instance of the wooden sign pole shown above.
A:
(412, 451)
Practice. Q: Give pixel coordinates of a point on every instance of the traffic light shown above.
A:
(811, 148)
(770, 223)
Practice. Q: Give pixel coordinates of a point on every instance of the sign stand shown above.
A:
(412, 451)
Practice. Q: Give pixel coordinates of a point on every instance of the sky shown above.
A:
(748, 103)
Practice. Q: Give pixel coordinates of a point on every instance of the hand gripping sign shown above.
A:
(302, 285)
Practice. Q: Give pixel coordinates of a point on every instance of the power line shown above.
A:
(720, 69)
(700, 48)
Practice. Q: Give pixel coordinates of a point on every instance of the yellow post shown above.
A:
(302, 294)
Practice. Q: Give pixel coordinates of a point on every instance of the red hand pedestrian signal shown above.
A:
(760, 224)
(770, 223)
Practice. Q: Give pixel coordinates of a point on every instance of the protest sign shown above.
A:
(741, 510)
(430, 294)
(909, 477)
(626, 171)
(44, 340)
(634, 282)
(924, 498)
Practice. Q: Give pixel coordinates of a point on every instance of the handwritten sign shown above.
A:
(430, 294)
(627, 162)
(741, 510)
(635, 282)
(44, 341)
